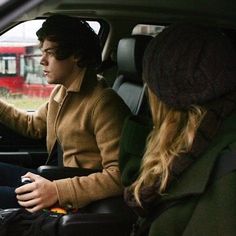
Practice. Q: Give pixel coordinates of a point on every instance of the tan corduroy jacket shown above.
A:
(86, 119)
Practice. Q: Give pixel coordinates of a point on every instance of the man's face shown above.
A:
(57, 71)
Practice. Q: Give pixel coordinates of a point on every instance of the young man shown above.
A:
(82, 115)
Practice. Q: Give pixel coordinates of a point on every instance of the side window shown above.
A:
(8, 64)
(22, 82)
(152, 30)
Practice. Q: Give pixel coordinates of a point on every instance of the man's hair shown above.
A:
(74, 37)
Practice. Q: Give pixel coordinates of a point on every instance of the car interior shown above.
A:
(126, 27)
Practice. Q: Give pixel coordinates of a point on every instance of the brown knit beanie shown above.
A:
(189, 64)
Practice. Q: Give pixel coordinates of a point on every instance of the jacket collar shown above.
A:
(76, 84)
(194, 180)
(85, 77)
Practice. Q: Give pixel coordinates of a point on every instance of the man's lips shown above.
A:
(46, 72)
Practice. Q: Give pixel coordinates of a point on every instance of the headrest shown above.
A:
(130, 55)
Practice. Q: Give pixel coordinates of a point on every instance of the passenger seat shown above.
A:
(129, 84)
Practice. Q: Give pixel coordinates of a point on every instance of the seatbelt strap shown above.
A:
(59, 155)
(56, 156)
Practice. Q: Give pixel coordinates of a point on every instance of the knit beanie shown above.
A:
(188, 65)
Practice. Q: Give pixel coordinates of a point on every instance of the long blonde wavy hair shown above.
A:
(173, 134)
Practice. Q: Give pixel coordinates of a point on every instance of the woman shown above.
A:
(180, 188)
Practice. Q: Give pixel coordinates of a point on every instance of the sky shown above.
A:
(22, 33)
(25, 33)
(3, 2)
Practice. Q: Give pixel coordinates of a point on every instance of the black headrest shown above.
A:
(130, 55)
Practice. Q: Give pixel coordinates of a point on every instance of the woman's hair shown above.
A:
(173, 134)
(74, 37)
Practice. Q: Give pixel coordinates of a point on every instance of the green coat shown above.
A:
(203, 208)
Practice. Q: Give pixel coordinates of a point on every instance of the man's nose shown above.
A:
(43, 60)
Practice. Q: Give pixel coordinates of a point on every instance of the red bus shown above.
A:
(21, 73)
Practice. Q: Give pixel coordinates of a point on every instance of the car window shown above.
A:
(146, 29)
(2, 2)
(22, 82)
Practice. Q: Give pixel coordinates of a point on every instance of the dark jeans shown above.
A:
(10, 179)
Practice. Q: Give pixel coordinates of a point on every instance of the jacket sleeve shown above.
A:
(28, 124)
(107, 122)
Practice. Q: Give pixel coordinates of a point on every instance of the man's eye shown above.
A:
(51, 53)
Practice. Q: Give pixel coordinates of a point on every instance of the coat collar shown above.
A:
(85, 77)
(194, 180)
(76, 84)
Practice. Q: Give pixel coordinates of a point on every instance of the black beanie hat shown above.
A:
(189, 64)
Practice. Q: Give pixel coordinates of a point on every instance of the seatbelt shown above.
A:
(56, 156)
(59, 155)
